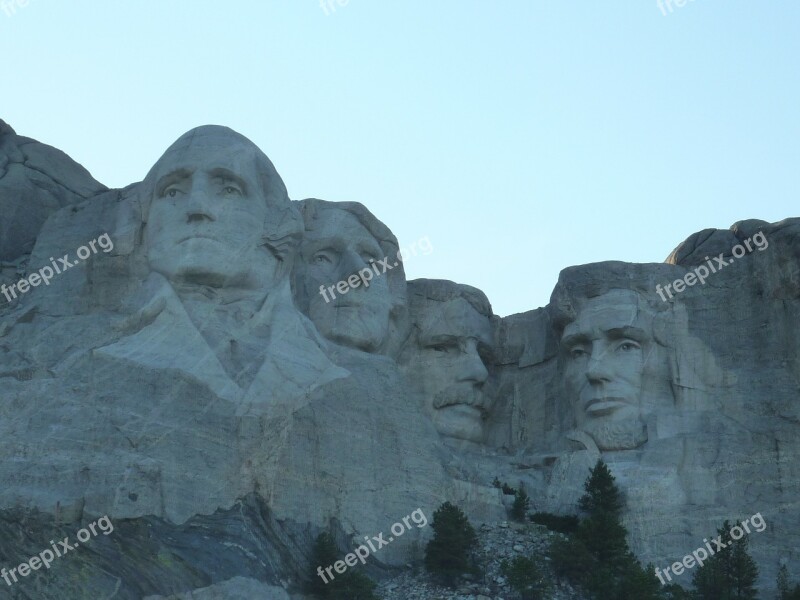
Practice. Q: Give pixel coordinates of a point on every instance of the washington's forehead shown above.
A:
(237, 160)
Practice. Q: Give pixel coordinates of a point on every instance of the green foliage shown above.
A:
(520, 506)
(559, 523)
(785, 591)
(507, 489)
(449, 553)
(525, 577)
(596, 557)
(602, 494)
(350, 585)
(729, 573)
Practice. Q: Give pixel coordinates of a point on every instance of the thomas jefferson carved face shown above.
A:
(606, 349)
(207, 214)
(335, 247)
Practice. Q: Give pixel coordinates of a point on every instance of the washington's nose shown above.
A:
(201, 206)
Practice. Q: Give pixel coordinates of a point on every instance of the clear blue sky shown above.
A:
(521, 137)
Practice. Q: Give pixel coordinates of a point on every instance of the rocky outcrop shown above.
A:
(226, 373)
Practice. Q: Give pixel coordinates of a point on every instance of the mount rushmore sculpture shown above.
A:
(204, 382)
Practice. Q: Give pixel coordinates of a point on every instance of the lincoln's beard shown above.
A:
(617, 435)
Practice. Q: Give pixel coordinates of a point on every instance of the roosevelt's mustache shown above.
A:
(464, 394)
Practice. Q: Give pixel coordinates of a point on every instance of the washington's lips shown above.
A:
(598, 407)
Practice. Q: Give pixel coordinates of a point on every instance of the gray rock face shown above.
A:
(35, 181)
(226, 373)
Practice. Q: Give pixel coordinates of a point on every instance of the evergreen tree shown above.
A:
(520, 506)
(350, 585)
(449, 553)
(730, 573)
(324, 554)
(785, 591)
(602, 494)
(783, 582)
(597, 556)
(525, 577)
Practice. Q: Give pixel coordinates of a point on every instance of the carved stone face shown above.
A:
(607, 347)
(448, 365)
(206, 218)
(335, 247)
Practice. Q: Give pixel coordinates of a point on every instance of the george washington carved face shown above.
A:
(209, 209)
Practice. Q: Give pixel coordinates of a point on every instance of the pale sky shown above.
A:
(520, 137)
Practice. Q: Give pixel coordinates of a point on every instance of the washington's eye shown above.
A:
(171, 192)
(628, 346)
(232, 190)
(322, 259)
(439, 348)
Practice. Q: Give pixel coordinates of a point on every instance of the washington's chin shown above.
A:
(460, 421)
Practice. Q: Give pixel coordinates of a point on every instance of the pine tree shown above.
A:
(783, 582)
(350, 585)
(602, 494)
(785, 591)
(525, 577)
(730, 573)
(597, 556)
(323, 555)
(520, 506)
(449, 553)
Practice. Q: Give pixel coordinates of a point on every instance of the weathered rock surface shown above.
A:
(35, 181)
(192, 382)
